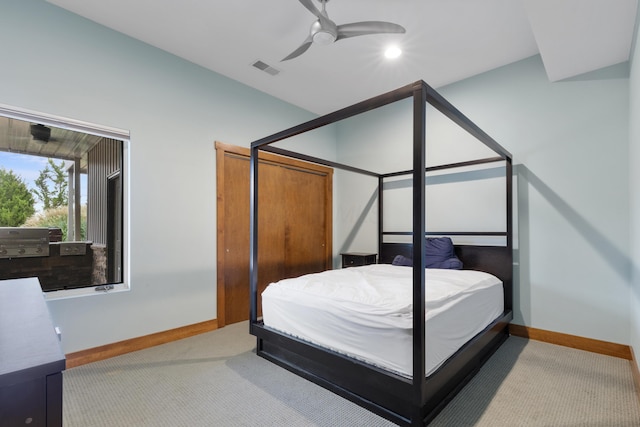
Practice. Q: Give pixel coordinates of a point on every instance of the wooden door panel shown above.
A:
(236, 240)
(270, 242)
(271, 247)
(305, 228)
(294, 225)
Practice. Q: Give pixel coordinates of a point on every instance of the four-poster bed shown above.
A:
(406, 399)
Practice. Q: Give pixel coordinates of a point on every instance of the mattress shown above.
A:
(367, 312)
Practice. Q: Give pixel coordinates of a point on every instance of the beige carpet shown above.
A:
(215, 379)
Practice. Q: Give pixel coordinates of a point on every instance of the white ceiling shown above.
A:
(445, 41)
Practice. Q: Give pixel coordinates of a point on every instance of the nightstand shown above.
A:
(352, 259)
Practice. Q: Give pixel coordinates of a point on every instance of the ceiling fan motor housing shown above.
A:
(324, 35)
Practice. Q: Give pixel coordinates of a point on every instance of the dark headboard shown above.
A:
(496, 260)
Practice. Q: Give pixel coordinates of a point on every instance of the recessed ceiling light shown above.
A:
(392, 52)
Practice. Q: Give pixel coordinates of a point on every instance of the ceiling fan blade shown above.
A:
(366, 28)
(323, 17)
(300, 50)
(310, 7)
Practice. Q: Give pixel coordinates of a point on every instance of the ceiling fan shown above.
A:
(324, 31)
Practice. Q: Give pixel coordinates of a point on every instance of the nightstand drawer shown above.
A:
(353, 259)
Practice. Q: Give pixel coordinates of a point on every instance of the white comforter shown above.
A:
(367, 312)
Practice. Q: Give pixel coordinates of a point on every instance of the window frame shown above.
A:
(98, 130)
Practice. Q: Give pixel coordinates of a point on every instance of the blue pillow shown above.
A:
(452, 263)
(438, 253)
(402, 260)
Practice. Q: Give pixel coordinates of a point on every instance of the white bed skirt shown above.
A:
(367, 312)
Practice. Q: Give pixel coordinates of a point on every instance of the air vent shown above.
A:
(266, 68)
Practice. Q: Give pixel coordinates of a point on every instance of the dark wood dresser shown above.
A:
(31, 359)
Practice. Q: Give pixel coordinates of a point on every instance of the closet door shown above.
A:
(295, 225)
(304, 221)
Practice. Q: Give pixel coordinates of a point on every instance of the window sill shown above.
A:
(83, 292)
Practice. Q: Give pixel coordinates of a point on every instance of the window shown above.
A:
(62, 192)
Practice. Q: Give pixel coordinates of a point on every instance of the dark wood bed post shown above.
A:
(508, 289)
(253, 244)
(380, 215)
(419, 351)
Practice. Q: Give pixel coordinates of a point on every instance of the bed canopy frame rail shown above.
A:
(383, 177)
(405, 401)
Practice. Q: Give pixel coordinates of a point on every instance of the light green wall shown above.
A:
(60, 64)
(569, 140)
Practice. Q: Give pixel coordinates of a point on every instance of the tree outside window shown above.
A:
(51, 185)
(16, 201)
